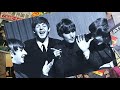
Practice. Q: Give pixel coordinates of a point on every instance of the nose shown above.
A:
(71, 34)
(24, 52)
(41, 27)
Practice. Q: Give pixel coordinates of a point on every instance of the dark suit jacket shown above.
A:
(18, 73)
(72, 61)
(102, 54)
(35, 59)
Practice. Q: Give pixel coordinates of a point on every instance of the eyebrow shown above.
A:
(21, 48)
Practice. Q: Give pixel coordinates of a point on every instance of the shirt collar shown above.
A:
(45, 43)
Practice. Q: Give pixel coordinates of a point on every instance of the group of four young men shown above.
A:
(48, 57)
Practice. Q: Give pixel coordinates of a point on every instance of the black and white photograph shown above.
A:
(60, 44)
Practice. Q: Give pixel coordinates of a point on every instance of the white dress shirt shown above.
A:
(45, 43)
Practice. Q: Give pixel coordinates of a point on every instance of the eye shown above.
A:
(37, 26)
(73, 30)
(44, 26)
(21, 49)
(67, 32)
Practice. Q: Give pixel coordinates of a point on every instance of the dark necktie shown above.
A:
(44, 50)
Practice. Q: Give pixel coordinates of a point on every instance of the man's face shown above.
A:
(100, 35)
(98, 40)
(69, 37)
(42, 30)
(18, 56)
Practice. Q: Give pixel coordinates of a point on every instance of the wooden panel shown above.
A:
(8, 60)
(2, 65)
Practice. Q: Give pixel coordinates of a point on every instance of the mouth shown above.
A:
(23, 56)
(99, 43)
(42, 32)
(71, 39)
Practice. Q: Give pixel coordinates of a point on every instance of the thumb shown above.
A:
(77, 41)
(52, 61)
(46, 62)
(90, 40)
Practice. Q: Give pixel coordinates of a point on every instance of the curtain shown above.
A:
(22, 29)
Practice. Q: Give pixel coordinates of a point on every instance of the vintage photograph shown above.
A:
(60, 45)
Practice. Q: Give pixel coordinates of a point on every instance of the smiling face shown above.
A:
(69, 37)
(42, 30)
(18, 56)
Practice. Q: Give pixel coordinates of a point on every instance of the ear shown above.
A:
(33, 31)
(49, 30)
(11, 53)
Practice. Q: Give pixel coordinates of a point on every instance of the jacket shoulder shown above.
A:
(29, 41)
(56, 41)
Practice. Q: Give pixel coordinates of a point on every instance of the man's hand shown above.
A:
(83, 45)
(87, 54)
(47, 66)
(57, 52)
(110, 64)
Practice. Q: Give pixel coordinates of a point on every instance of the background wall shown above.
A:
(22, 29)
